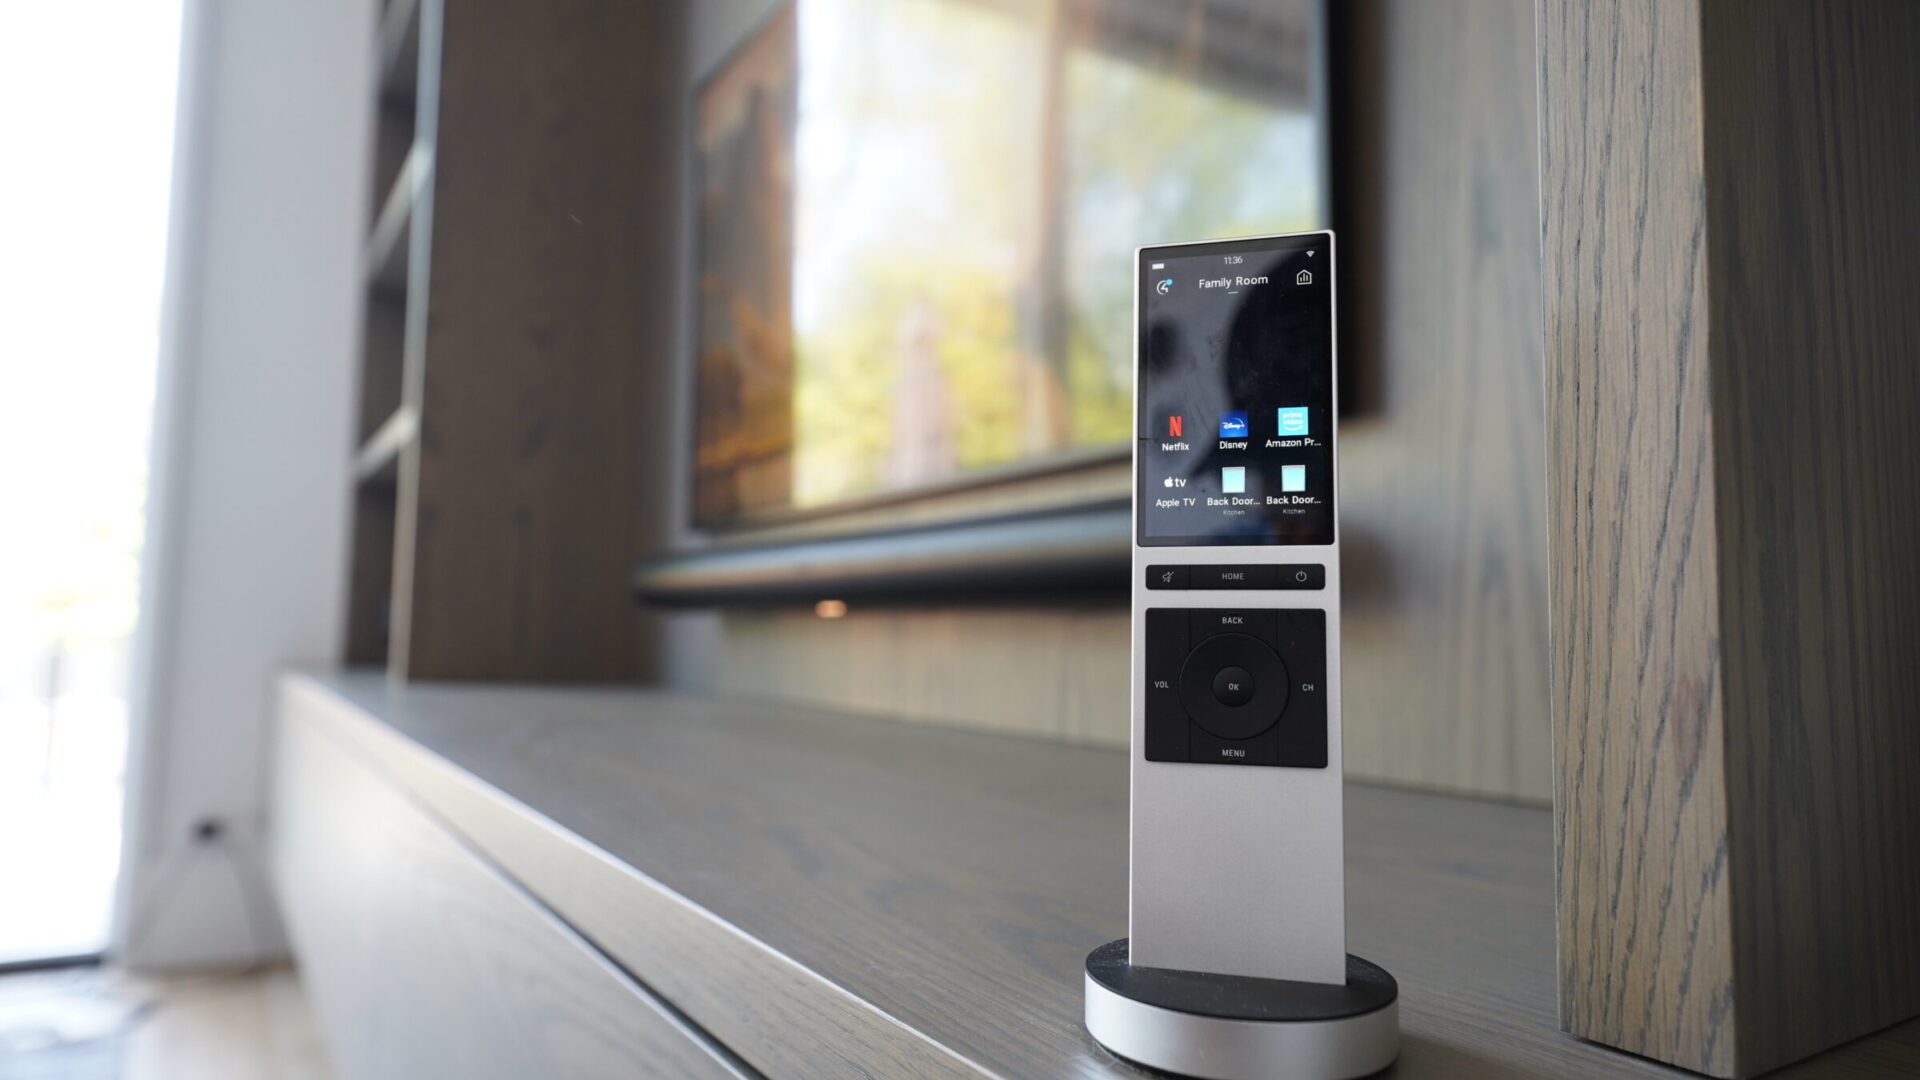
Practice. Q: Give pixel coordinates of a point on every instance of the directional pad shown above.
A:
(1236, 686)
(1264, 686)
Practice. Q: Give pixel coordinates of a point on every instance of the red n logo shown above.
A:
(1173, 427)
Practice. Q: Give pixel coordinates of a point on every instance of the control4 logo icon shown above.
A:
(1165, 286)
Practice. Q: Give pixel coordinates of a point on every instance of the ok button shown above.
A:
(1233, 686)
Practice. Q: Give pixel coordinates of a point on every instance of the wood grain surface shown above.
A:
(1729, 229)
(421, 960)
(1813, 226)
(1646, 946)
(1060, 672)
(550, 285)
(836, 896)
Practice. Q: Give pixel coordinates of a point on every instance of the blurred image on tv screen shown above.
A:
(916, 221)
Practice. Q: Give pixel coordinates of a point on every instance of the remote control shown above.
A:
(1236, 784)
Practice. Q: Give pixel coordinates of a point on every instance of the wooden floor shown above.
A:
(100, 1024)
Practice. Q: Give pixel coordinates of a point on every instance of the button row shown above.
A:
(1232, 576)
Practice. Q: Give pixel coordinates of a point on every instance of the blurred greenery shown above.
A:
(1153, 157)
(925, 232)
(845, 404)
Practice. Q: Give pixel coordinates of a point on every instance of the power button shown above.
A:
(1301, 576)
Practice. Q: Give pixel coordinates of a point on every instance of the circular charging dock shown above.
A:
(1229, 1027)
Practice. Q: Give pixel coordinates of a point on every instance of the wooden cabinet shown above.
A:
(421, 959)
(823, 895)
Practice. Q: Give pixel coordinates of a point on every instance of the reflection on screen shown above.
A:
(1236, 416)
(965, 186)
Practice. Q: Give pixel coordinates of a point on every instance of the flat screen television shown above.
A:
(916, 218)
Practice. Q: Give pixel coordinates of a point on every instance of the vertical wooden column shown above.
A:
(548, 299)
(1731, 224)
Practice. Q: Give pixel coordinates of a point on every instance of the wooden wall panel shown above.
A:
(549, 303)
(1059, 673)
(1729, 231)
(1441, 472)
(1443, 515)
(1813, 221)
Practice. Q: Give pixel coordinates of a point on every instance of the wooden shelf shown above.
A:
(399, 55)
(789, 878)
(377, 461)
(388, 248)
(388, 421)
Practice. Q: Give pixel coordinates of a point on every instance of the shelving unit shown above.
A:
(508, 313)
(389, 422)
(387, 249)
(399, 47)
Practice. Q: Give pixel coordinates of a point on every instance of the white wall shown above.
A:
(247, 527)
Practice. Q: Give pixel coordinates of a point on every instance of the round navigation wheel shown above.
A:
(1234, 686)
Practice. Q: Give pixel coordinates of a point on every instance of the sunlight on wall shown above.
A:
(86, 113)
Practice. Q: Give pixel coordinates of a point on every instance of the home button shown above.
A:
(1225, 576)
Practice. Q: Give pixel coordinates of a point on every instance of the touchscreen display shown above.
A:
(1236, 409)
